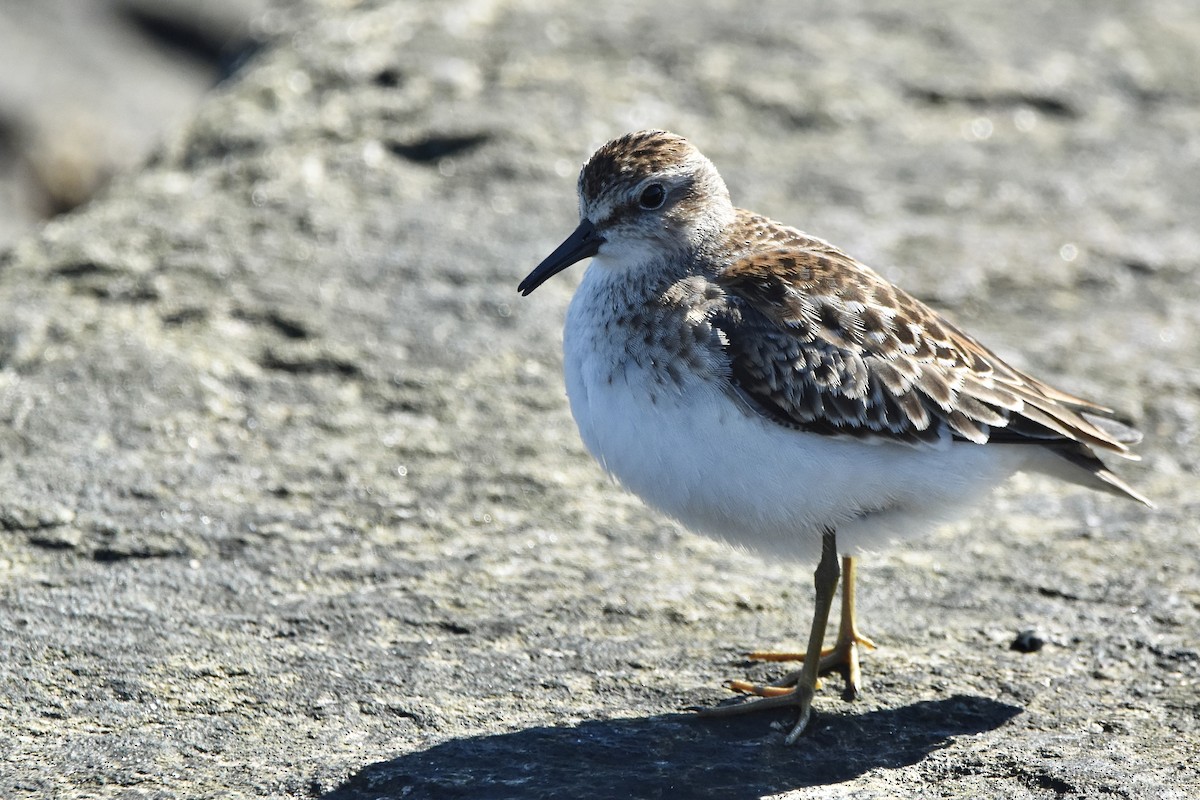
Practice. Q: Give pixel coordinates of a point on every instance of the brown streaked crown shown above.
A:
(633, 155)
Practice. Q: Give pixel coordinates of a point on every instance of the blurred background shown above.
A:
(87, 88)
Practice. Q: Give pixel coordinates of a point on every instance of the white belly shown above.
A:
(696, 453)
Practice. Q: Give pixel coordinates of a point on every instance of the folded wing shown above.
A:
(821, 343)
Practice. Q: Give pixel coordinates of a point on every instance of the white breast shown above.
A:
(694, 451)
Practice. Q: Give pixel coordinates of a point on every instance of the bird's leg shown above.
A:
(825, 580)
(842, 657)
(845, 649)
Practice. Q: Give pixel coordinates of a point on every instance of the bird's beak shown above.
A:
(581, 244)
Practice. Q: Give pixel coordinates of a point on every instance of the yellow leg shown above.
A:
(842, 657)
(825, 579)
(845, 651)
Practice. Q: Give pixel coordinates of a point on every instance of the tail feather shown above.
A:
(1114, 428)
(1101, 478)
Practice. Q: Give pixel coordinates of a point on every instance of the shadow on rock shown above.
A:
(675, 755)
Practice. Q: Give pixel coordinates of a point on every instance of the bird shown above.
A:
(761, 386)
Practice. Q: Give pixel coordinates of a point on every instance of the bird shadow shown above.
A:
(675, 755)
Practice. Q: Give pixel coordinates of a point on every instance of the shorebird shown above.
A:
(762, 386)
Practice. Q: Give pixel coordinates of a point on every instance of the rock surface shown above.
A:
(293, 507)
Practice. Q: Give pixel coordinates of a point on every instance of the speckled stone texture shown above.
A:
(291, 504)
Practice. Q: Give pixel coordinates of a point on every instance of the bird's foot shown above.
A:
(843, 657)
(769, 697)
(825, 580)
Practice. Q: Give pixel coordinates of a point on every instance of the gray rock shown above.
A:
(293, 506)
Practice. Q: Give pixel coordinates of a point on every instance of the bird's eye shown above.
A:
(653, 196)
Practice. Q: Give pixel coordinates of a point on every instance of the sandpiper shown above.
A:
(761, 386)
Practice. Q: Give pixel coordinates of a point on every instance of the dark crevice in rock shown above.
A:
(186, 35)
(1046, 104)
(80, 269)
(108, 555)
(184, 316)
(308, 364)
(388, 78)
(432, 148)
(288, 327)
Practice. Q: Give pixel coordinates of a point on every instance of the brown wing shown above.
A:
(822, 343)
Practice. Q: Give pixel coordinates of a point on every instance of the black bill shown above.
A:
(581, 244)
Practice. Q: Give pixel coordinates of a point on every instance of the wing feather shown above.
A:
(820, 342)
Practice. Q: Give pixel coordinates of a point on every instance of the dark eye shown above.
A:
(653, 196)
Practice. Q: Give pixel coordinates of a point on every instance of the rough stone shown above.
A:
(293, 507)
